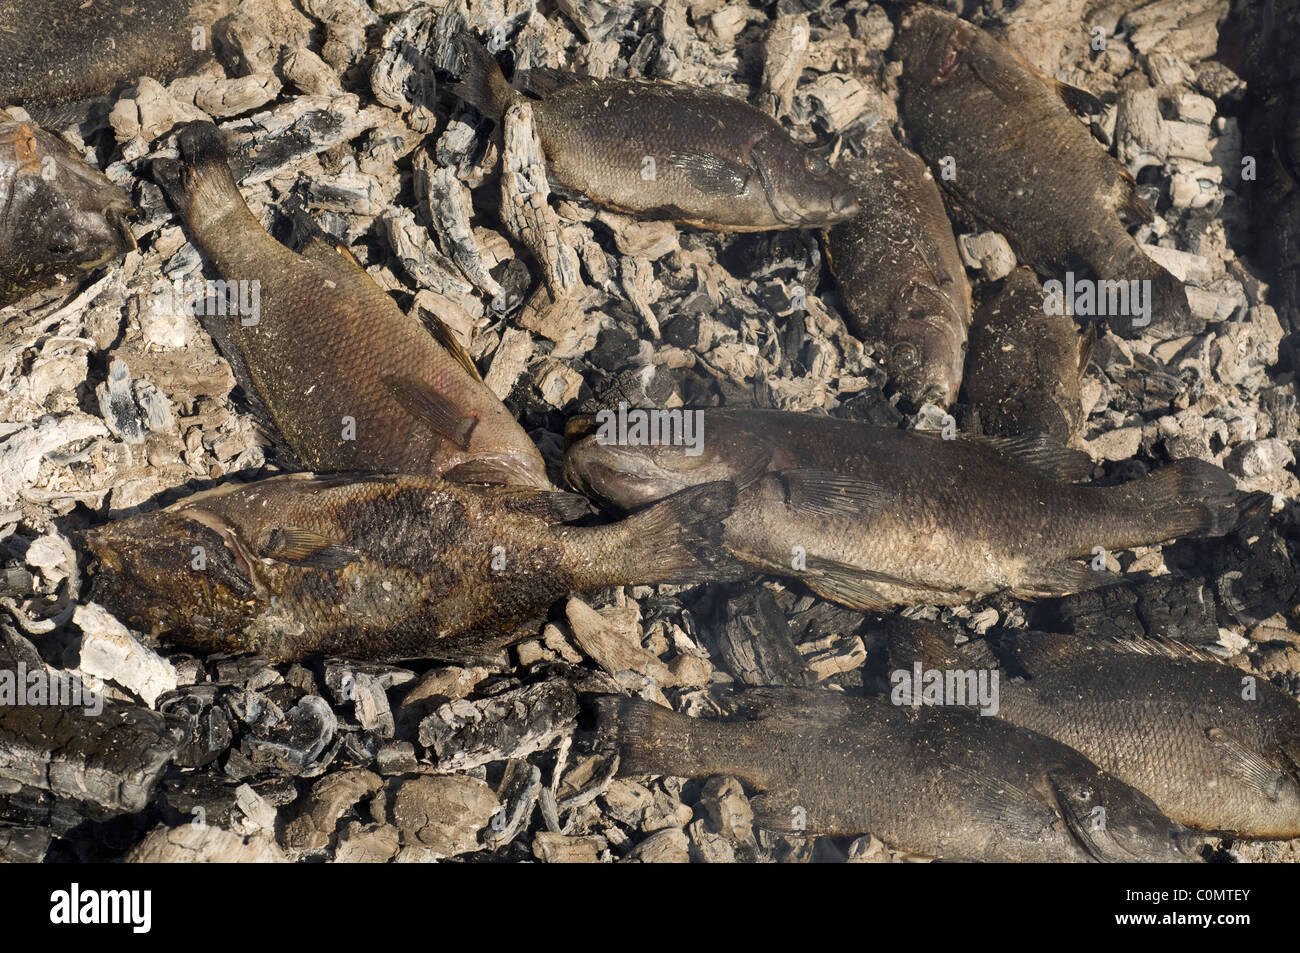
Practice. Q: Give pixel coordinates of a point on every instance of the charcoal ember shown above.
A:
(424, 263)
(785, 48)
(669, 846)
(266, 144)
(367, 843)
(22, 844)
(553, 848)
(402, 75)
(298, 742)
(1254, 577)
(208, 731)
(204, 844)
(708, 847)
(466, 734)
(447, 204)
(517, 792)
(397, 757)
(433, 689)
(727, 809)
(329, 800)
(109, 759)
(647, 810)
(756, 644)
(365, 686)
(441, 813)
(360, 747)
(611, 639)
(1173, 607)
(110, 651)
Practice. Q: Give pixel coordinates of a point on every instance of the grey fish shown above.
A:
(902, 278)
(1023, 163)
(1214, 748)
(1025, 366)
(59, 218)
(350, 381)
(872, 516)
(941, 782)
(377, 566)
(669, 151)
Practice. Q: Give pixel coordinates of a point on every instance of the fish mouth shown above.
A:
(843, 206)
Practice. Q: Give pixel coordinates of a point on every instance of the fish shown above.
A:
(1026, 362)
(54, 51)
(59, 218)
(379, 566)
(899, 271)
(937, 782)
(873, 517)
(663, 150)
(350, 381)
(1214, 748)
(1021, 162)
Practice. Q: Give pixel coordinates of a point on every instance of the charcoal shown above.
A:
(443, 814)
(756, 644)
(23, 845)
(321, 809)
(518, 791)
(204, 844)
(208, 731)
(297, 742)
(514, 724)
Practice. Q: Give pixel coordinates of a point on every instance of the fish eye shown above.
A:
(817, 165)
(905, 356)
(63, 241)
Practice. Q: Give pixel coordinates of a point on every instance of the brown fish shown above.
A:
(1026, 362)
(1214, 748)
(350, 381)
(1024, 164)
(940, 782)
(59, 217)
(378, 566)
(874, 516)
(900, 273)
(662, 150)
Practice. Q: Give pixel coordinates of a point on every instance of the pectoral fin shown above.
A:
(832, 494)
(433, 409)
(302, 547)
(710, 174)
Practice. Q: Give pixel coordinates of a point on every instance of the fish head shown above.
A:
(171, 571)
(801, 187)
(65, 216)
(1116, 823)
(631, 476)
(933, 46)
(923, 347)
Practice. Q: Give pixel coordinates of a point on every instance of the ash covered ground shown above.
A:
(114, 398)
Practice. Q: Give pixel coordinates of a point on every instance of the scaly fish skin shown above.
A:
(377, 566)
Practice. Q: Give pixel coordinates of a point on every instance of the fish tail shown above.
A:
(678, 540)
(1166, 307)
(199, 184)
(482, 84)
(1193, 498)
(649, 738)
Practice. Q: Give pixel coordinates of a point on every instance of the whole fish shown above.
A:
(57, 50)
(1214, 748)
(378, 566)
(58, 217)
(350, 381)
(1025, 366)
(873, 516)
(1022, 162)
(941, 782)
(902, 278)
(667, 151)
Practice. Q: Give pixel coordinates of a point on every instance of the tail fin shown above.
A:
(678, 540)
(482, 84)
(199, 183)
(1193, 498)
(1170, 314)
(649, 739)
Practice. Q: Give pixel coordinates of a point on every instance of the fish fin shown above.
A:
(710, 174)
(479, 471)
(437, 413)
(1041, 452)
(1004, 805)
(450, 343)
(302, 547)
(1248, 766)
(1192, 498)
(1061, 579)
(1080, 101)
(679, 539)
(1132, 209)
(542, 81)
(847, 585)
(649, 738)
(482, 84)
(832, 494)
(554, 506)
(202, 176)
(1034, 654)
(1087, 343)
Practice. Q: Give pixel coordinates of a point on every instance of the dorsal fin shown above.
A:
(450, 343)
(1040, 452)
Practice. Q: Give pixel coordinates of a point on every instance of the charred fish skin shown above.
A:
(1022, 162)
(58, 217)
(902, 278)
(1214, 748)
(941, 782)
(377, 566)
(873, 517)
(58, 50)
(351, 382)
(1025, 366)
(666, 151)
